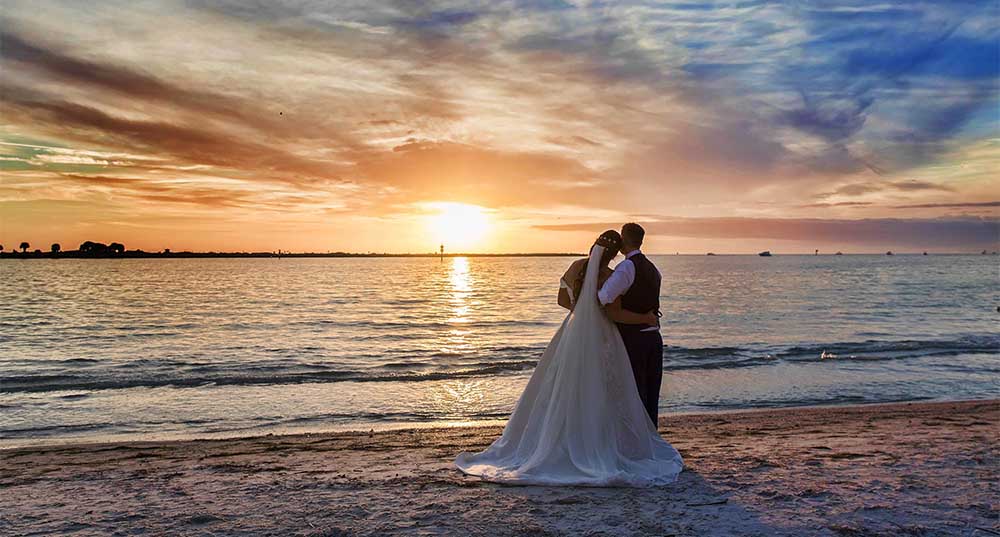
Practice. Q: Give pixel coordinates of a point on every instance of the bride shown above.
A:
(580, 420)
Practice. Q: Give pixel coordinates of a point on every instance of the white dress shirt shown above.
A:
(619, 283)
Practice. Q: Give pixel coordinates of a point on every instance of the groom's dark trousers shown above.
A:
(645, 352)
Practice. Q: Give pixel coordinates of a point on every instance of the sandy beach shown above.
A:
(899, 469)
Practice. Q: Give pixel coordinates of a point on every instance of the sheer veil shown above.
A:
(579, 420)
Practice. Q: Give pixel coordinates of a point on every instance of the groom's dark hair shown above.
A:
(632, 234)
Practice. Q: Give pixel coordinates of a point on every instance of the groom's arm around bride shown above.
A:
(614, 289)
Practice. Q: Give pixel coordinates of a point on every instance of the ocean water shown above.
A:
(180, 348)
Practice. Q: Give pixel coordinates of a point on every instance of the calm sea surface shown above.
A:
(174, 348)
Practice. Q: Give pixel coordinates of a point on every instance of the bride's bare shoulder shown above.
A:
(574, 269)
(577, 265)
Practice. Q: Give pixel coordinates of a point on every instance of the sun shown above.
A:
(458, 226)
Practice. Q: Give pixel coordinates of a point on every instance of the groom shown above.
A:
(637, 282)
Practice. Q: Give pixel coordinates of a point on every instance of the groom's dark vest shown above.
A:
(644, 295)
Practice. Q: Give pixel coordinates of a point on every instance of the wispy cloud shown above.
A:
(823, 205)
(859, 189)
(949, 205)
(949, 233)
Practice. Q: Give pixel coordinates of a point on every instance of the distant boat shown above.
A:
(839, 253)
(709, 253)
(889, 252)
(925, 253)
(765, 253)
(984, 252)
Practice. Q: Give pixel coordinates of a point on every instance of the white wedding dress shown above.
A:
(580, 420)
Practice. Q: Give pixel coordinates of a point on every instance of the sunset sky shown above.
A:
(500, 126)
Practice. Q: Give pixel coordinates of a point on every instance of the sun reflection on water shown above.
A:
(461, 289)
(456, 341)
(458, 396)
(460, 275)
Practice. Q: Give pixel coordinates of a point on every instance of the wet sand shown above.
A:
(900, 469)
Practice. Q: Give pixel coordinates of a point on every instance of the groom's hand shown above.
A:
(618, 314)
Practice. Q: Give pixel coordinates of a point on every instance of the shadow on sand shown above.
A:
(691, 506)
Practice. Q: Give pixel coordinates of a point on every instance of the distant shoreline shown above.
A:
(138, 254)
(196, 255)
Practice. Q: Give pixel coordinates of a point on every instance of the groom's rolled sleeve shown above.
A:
(619, 282)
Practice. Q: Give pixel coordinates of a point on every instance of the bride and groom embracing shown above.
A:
(588, 414)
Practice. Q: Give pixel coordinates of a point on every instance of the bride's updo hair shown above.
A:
(612, 243)
(611, 240)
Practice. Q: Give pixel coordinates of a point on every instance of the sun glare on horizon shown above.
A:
(458, 226)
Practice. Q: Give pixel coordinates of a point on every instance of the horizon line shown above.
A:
(137, 253)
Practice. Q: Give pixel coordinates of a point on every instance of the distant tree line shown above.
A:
(98, 250)
(87, 249)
